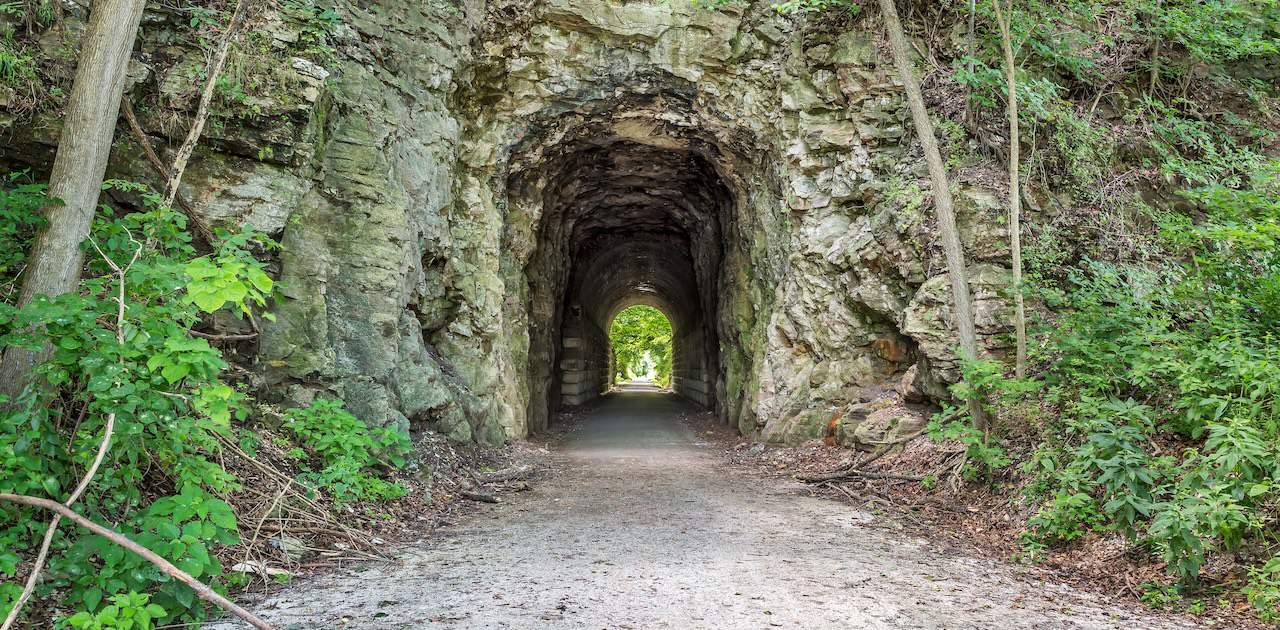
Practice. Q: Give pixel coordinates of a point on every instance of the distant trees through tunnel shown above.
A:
(640, 340)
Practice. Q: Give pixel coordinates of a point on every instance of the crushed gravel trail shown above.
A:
(643, 527)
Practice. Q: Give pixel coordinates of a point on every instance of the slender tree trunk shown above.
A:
(962, 301)
(212, 72)
(1003, 17)
(1155, 55)
(89, 124)
(970, 117)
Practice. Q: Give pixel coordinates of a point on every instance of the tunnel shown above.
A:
(633, 210)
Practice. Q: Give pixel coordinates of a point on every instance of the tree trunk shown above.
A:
(962, 302)
(970, 116)
(212, 72)
(53, 268)
(1003, 18)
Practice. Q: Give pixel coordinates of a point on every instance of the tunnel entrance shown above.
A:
(638, 225)
(640, 347)
(633, 203)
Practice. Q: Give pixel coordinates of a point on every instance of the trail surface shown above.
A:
(643, 528)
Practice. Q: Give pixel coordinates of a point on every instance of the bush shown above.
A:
(158, 484)
(346, 452)
(127, 611)
(1195, 342)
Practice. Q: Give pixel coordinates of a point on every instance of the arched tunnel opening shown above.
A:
(641, 226)
(633, 212)
(640, 346)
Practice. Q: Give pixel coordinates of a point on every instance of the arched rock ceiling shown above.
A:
(635, 216)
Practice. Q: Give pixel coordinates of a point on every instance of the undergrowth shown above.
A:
(1164, 385)
(163, 483)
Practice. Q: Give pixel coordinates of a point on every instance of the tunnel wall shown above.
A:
(584, 361)
(690, 376)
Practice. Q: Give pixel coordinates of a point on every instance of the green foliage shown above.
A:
(127, 611)
(1066, 517)
(984, 381)
(1195, 342)
(799, 6)
(20, 217)
(346, 452)
(1263, 590)
(1201, 151)
(641, 339)
(162, 385)
(317, 24)
(982, 456)
(181, 528)
(1220, 31)
(21, 88)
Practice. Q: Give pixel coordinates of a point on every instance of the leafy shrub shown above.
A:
(1263, 590)
(181, 528)
(1196, 343)
(162, 385)
(981, 380)
(1201, 151)
(20, 217)
(127, 611)
(982, 456)
(1219, 31)
(347, 451)
(1066, 517)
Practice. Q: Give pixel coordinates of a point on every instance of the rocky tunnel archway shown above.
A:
(626, 221)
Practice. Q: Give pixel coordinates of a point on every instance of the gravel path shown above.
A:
(643, 528)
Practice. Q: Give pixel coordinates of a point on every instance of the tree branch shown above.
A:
(202, 590)
(201, 227)
(212, 72)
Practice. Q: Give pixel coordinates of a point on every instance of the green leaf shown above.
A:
(260, 280)
(91, 598)
(175, 372)
(208, 302)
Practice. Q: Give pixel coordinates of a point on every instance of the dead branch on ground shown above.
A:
(201, 589)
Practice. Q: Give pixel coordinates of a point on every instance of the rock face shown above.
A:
(466, 195)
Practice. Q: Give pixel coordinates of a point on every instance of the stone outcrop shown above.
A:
(467, 194)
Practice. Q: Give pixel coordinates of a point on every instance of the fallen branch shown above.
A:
(483, 497)
(856, 464)
(876, 475)
(201, 589)
(506, 474)
(851, 473)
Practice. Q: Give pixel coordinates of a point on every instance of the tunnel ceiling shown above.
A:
(636, 217)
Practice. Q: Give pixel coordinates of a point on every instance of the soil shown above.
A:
(643, 523)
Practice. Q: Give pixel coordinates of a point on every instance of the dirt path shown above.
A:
(643, 528)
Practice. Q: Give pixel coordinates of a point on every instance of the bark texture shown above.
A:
(942, 202)
(53, 268)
